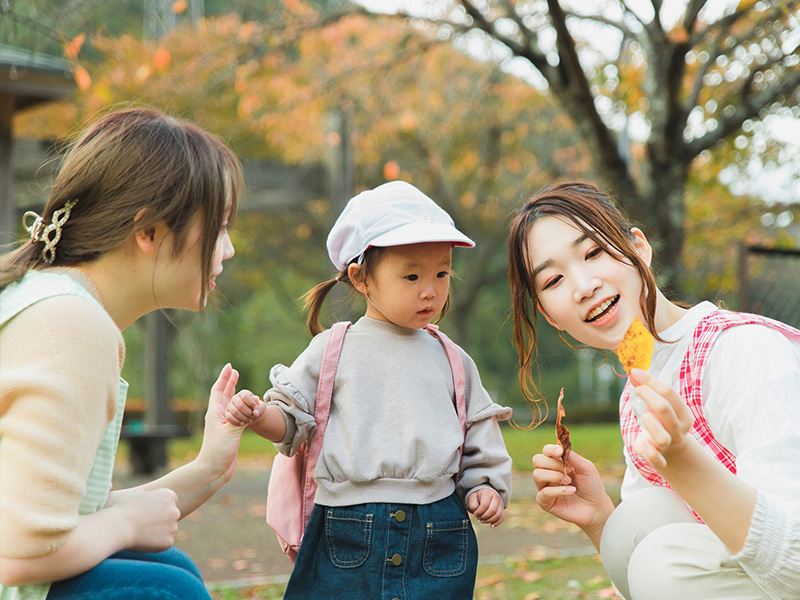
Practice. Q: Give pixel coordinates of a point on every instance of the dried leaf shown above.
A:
(636, 348)
(562, 433)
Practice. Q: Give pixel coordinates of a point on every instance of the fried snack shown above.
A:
(636, 348)
(562, 433)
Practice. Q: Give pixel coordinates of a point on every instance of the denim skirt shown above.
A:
(387, 551)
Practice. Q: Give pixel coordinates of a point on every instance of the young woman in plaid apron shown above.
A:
(711, 430)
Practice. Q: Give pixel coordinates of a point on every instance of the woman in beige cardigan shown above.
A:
(136, 222)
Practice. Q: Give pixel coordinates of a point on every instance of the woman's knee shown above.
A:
(676, 561)
(135, 576)
(633, 520)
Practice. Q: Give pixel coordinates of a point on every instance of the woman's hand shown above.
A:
(197, 481)
(666, 422)
(221, 438)
(152, 517)
(578, 496)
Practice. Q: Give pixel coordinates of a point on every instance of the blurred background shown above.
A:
(686, 112)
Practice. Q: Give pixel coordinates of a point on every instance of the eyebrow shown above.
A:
(417, 264)
(578, 241)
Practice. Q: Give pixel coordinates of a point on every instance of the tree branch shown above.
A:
(626, 31)
(627, 11)
(723, 23)
(703, 71)
(691, 14)
(747, 109)
(527, 33)
(657, 14)
(527, 51)
(578, 100)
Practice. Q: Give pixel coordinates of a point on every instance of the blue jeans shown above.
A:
(169, 575)
(385, 552)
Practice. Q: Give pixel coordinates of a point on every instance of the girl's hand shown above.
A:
(152, 517)
(220, 438)
(666, 423)
(487, 506)
(578, 497)
(244, 408)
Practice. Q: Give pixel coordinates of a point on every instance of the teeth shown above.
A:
(599, 310)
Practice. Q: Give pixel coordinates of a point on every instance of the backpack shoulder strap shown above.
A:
(327, 378)
(459, 376)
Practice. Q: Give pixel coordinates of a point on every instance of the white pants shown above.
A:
(654, 548)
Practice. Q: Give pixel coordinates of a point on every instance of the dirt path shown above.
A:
(230, 540)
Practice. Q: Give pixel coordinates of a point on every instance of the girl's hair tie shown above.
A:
(42, 233)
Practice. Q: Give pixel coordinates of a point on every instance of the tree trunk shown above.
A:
(663, 216)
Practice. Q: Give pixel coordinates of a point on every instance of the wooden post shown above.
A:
(341, 187)
(149, 446)
(341, 173)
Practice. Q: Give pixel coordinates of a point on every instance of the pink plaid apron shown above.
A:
(691, 388)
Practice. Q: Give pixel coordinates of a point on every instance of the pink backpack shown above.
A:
(291, 490)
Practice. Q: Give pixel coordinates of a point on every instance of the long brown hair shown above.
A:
(315, 297)
(596, 215)
(130, 160)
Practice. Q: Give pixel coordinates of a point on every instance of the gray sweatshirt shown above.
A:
(393, 433)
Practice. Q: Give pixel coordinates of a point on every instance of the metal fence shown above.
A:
(769, 283)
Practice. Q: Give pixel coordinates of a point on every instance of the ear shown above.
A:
(642, 246)
(147, 238)
(547, 317)
(354, 274)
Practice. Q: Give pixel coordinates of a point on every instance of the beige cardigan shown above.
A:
(60, 361)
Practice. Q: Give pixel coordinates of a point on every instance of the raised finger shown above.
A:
(664, 390)
(222, 380)
(548, 495)
(542, 461)
(548, 477)
(659, 434)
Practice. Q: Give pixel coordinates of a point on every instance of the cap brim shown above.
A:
(419, 233)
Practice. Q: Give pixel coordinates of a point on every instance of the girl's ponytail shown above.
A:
(314, 298)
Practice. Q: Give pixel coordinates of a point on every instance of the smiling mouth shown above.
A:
(602, 310)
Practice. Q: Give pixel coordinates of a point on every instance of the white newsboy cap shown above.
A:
(392, 214)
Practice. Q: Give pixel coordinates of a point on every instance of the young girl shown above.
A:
(709, 500)
(389, 519)
(136, 221)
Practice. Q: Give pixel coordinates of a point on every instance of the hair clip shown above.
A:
(41, 233)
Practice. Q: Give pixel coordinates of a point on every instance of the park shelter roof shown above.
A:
(31, 77)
